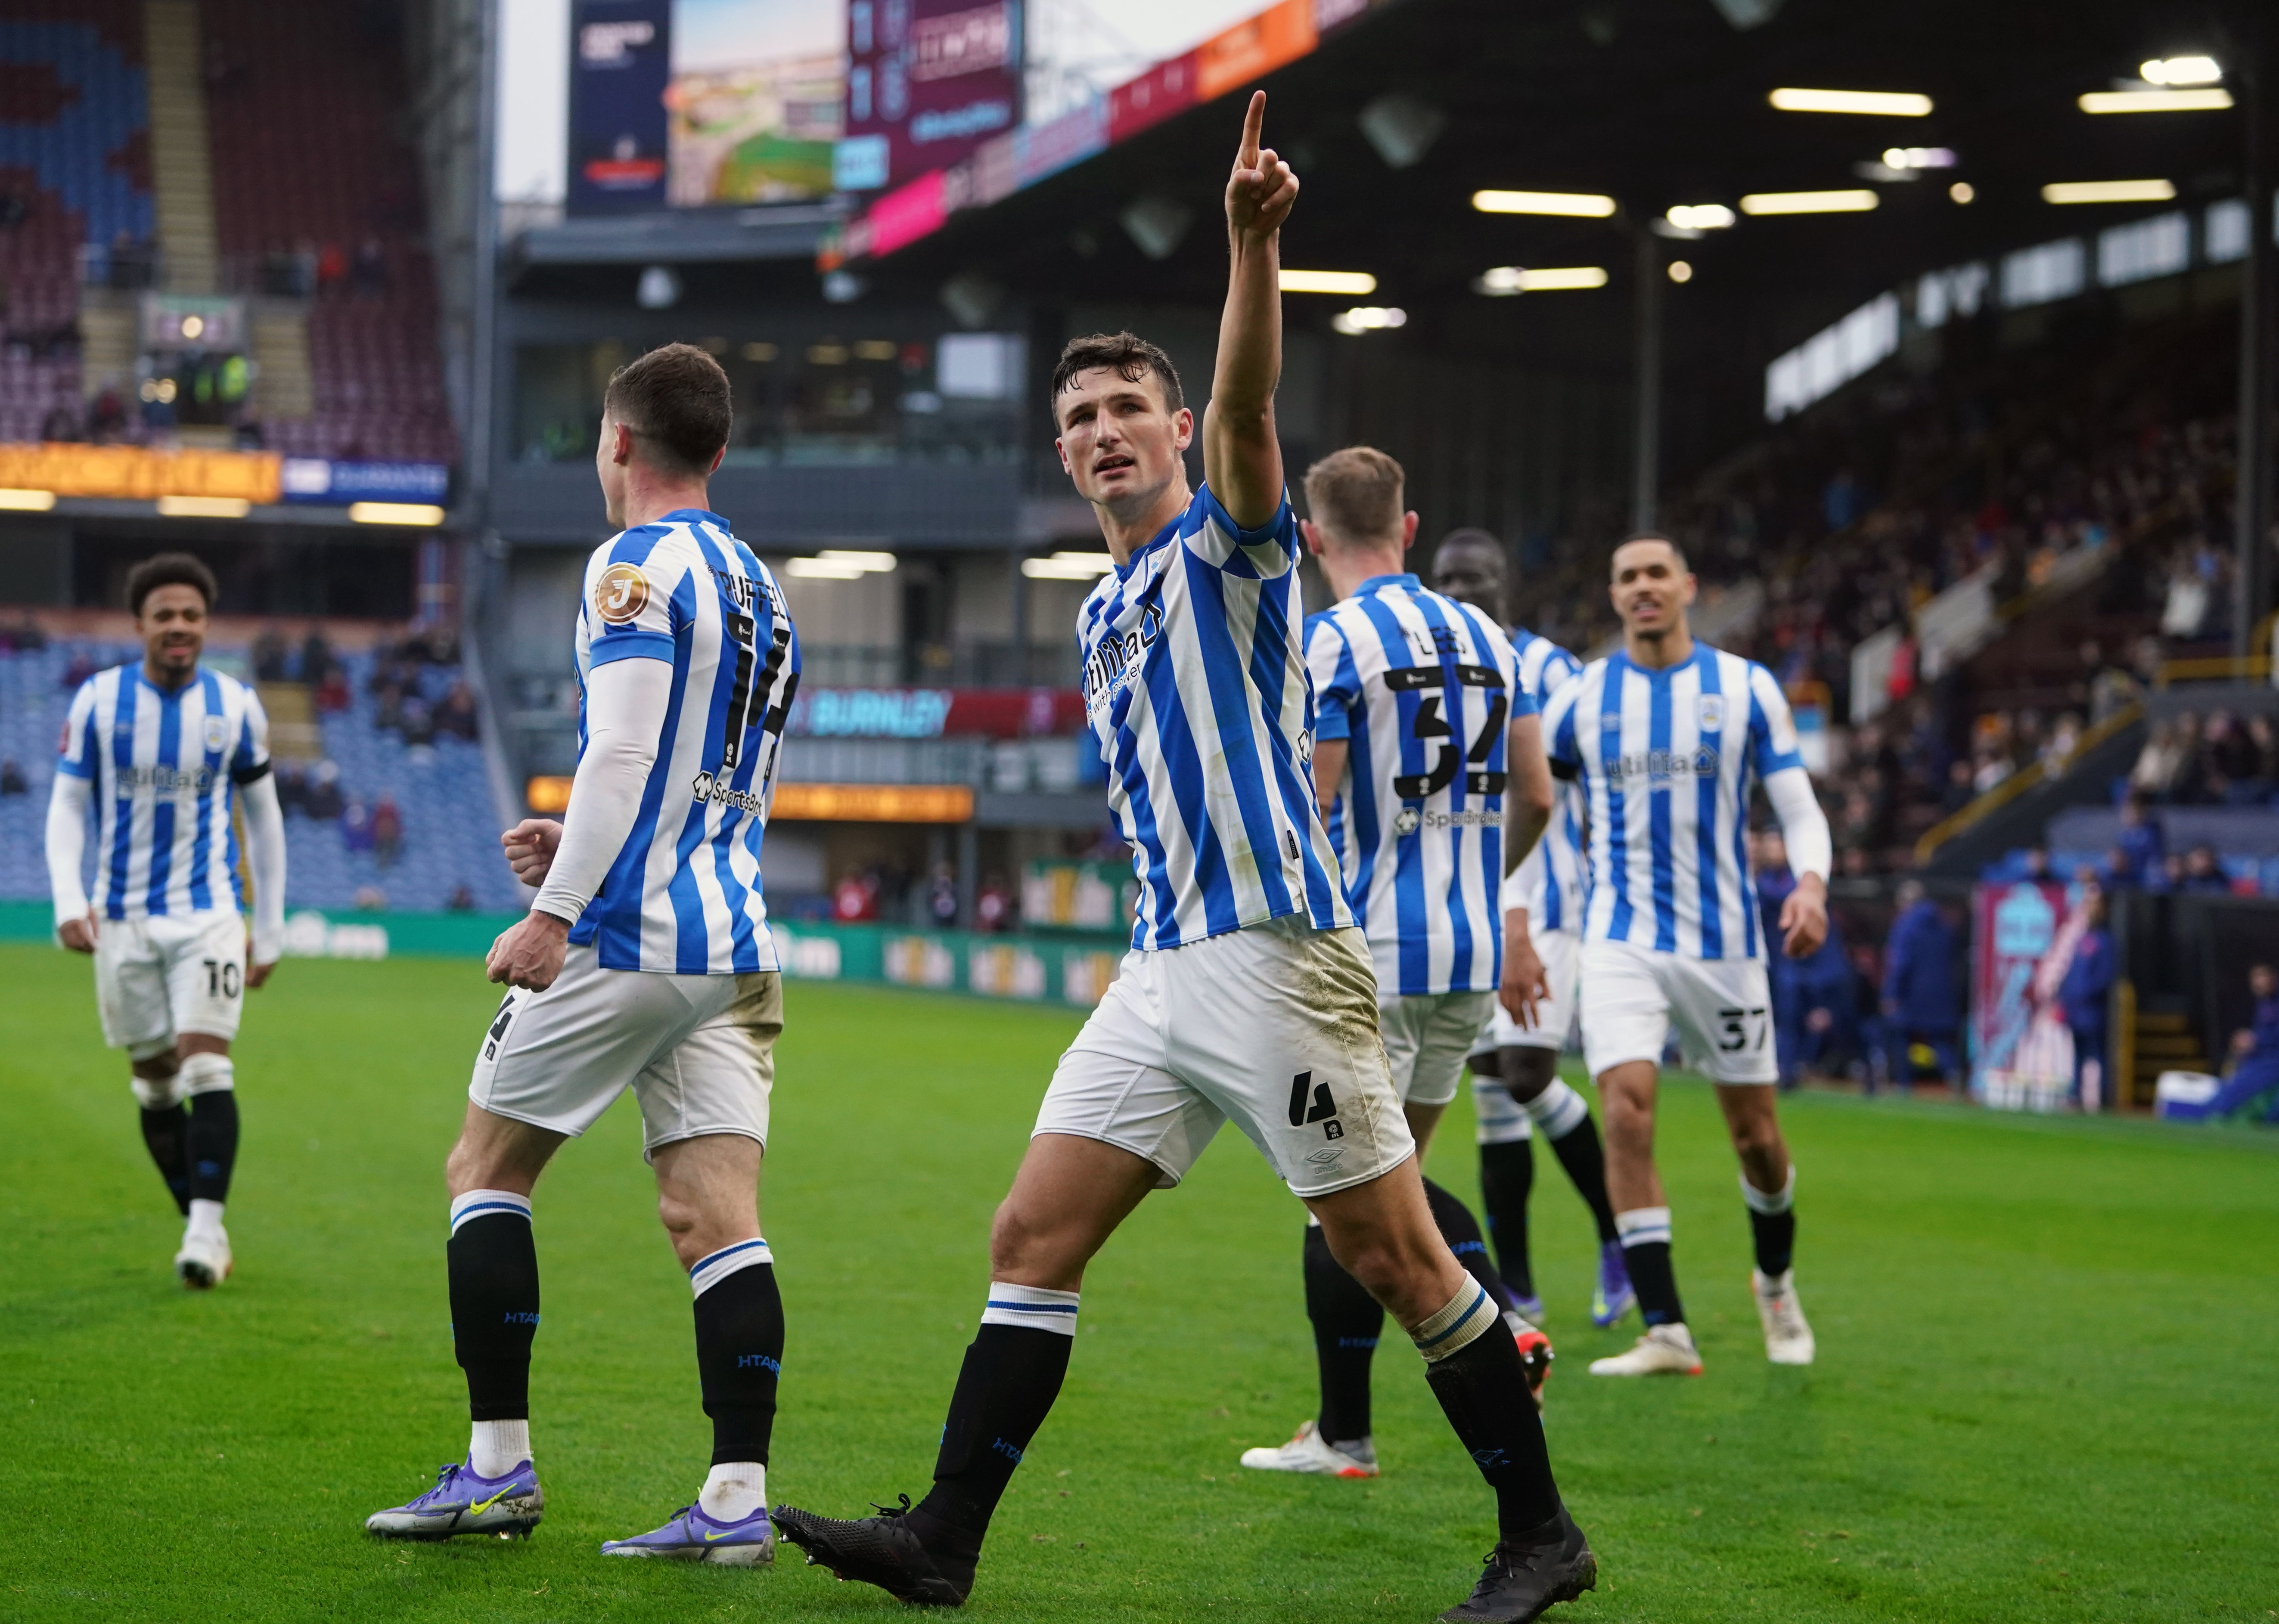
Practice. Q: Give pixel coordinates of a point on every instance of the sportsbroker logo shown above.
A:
(704, 786)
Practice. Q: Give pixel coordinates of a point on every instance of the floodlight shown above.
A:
(1701, 217)
(1582, 205)
(1501, 282)
(1886, 103)
(2108, 191)
(1854, 201)
(419, 513)
(2214, 99)
(2181, 71)
(1368, 318)
(1346, 282)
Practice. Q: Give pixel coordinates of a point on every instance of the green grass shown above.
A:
(2045, 1387)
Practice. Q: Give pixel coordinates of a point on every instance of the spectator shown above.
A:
(2111, 688)
(106, 419)
(270, 655)
(2254, 1051)
(2202, 872)
(456, 714)
(11, 778)
(941, 897)
(355, 825)
(369, 274)
(77, 669)
(992, 906)
(387, 830)
(855, 898)
(292, 787)
(2141, 845)
(325, 802)
(371, 899)
(332, 694)
(418, 726)
(1961, 792)
(2082, 996)
(461, 900)
(1920, 1008)
(2157, 764)
(317, 661)
(332, 268)
(61, 425)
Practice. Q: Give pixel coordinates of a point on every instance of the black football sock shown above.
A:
(740, 1338)
(167, 1136)
(1348, 1322)
(1584, 1158)
(1772, 1223)
(1483, 1391)
(211, 1139)
(1506, 1176)
(1646, 1253)
(1012, 1373)
(1462, 1231)
(494, 1270)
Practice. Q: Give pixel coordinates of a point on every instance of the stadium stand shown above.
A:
(435, 781)
(316, 194)
(75, 175)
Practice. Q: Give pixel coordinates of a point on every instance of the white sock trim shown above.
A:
(1031, 1307)
(1643, 1225)
(1779, 1201)
(496, 1447)
(1558, 1110)
(1462, 1321)
(205, 1074)
(711, 1270)
(1501, 1120)
(733, 1489)
(483, 1203)
(205, 1218)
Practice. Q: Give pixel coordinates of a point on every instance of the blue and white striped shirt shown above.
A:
(683, 894)
(1549, 882)
(1194, 685)
(165, 766)
(1667, 760)
(1423, 689)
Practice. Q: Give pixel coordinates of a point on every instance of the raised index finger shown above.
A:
(1254, 123)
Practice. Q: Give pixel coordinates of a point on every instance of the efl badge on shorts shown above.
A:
(621, 593)
(1710, 710)
(217, 733)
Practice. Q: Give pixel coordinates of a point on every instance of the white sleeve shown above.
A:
(626, 703)
(1804, 826)
(67, 804)
(265, 853)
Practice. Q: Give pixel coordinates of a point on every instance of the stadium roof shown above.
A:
(1654, 103)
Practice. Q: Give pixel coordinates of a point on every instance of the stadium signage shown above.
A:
(874, 804)
(134, 473)
(926, 82)
(933, 713)
(620, 63)
(1232, 57)
(317, 480)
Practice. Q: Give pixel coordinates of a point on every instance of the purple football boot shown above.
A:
(462, 1502)
(692, 1536)
(1612, 1298)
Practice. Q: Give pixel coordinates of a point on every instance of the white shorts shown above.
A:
(1426, 1037)
(1561, 952)
(1722, 1008)
(160, 976)
(1274, 1026)
(697, 1051)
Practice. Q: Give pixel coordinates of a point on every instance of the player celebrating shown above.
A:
(163, 751)
(1516, 1082)
(1667, 737)
(1248, 993)
(1415, 694)
(646, 963)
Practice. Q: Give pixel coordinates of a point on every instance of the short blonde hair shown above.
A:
(1354, 494)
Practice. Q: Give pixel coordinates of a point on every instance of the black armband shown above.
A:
(243, 776)
(1566, 772)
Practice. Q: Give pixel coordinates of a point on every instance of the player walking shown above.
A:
(1516, 1082)
(1422, 727)
(1248, 993)
(646, 963)
(1667, 737)
(163, 751)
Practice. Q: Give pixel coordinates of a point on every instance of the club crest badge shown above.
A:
(217, 733)
(621, 593)
(1710, 710)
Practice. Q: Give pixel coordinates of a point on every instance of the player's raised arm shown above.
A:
(1242, 460)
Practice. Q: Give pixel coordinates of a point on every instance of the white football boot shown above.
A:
(1788, 1339)
(1309, 1451)
(203, 1262)
(1665, 1350)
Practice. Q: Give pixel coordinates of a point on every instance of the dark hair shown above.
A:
(169, 569)
(677, 399)
(1354, 494)
(1653, 535)
(1128, 355)
(1467, 536)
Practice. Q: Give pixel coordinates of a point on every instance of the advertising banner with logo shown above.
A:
(2020, 1049)
(756, 101)
(927, 82)
(620, 61)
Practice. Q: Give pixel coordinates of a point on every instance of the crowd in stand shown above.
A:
(2222, 761)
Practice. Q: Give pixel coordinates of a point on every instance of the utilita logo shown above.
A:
(706, 787)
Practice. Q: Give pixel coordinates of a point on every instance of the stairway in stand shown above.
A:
(181, 167)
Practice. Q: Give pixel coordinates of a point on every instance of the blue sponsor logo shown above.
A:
(522, 1319)
(1009, 1450)
(759, 1361)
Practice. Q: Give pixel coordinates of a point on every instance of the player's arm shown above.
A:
(1329, 771)
(1527, 792)
(1525, 983)
(625, 704)
(66, 842)
(1242, 460)
(67, 803)
(1804, 826)
(251, 772)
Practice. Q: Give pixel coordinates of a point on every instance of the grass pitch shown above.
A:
(2045, 1387)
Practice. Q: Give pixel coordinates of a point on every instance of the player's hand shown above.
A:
(78, 934)
(1804, 918)
(530, 846)
(530, 954)
(1262, 187)
(1523, 981)
(256, 973)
